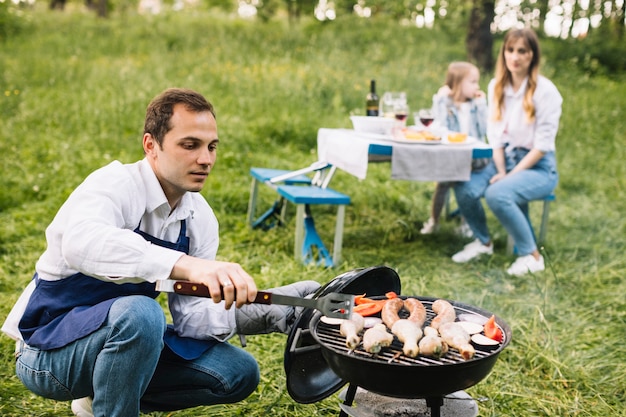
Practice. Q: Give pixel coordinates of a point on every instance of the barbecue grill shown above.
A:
(318, 363)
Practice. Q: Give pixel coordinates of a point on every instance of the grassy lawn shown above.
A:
(73, 91)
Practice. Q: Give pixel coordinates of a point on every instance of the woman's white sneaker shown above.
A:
(526, 264)
(472, 250)
(82, 407)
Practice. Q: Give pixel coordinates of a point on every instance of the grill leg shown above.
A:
(434, 403)
(350, 394)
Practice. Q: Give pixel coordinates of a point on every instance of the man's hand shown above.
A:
(226, 280)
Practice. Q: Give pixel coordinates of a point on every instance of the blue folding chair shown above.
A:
(297, 188)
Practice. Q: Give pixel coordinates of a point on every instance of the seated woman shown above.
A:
(524, 113)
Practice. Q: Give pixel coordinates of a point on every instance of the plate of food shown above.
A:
(418, 136)
(456, 138)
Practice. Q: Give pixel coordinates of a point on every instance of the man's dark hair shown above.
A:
(161, 108)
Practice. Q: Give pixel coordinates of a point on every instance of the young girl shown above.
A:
(524, 113)
(460, 106)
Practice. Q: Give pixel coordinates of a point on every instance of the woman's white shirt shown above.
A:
(513, 129)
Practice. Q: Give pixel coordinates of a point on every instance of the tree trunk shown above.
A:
(479, 40)
(57, 4)
(293, 11)
(619, 19)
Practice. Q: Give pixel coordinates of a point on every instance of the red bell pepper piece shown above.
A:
(492, 331)
(362, 299)
(368, 309)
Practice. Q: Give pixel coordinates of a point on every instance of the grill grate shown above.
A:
(330, 336)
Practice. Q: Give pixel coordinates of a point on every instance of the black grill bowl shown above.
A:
(407, 378)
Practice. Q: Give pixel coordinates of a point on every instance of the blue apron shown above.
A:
(61, 312)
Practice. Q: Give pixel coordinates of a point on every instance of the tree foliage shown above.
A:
(600, 48)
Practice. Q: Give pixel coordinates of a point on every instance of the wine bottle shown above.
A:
(372, 100)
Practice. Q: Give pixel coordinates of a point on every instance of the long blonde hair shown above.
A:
(503, 75)
(457, 71)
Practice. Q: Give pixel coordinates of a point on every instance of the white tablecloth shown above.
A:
(348, 150)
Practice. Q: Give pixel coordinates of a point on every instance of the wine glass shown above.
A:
(389, 101)
(426, 117)
(401, 112)
(386, 105)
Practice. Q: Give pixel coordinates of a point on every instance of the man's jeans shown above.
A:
(124, 364)
(507, 198)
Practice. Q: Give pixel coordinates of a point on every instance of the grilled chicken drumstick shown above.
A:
(350, 330)
(376, 338)
(431, 344)
(409, 333)
(457, 337)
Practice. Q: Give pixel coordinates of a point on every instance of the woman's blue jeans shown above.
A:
(508, 198)
(124, 367)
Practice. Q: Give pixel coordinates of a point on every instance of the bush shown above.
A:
(9, 20)
(602, 52)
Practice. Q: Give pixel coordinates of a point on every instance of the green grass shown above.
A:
(73, 91)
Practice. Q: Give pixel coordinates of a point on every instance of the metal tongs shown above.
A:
(334, 305)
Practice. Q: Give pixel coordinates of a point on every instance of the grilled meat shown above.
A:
(350, 330)
(376, 338)
(390, 311)
(432, 345)
(445, 313)
(417, 311)
(456, 336)
(409, 333)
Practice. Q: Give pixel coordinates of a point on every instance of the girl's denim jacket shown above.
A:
(447, 114)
